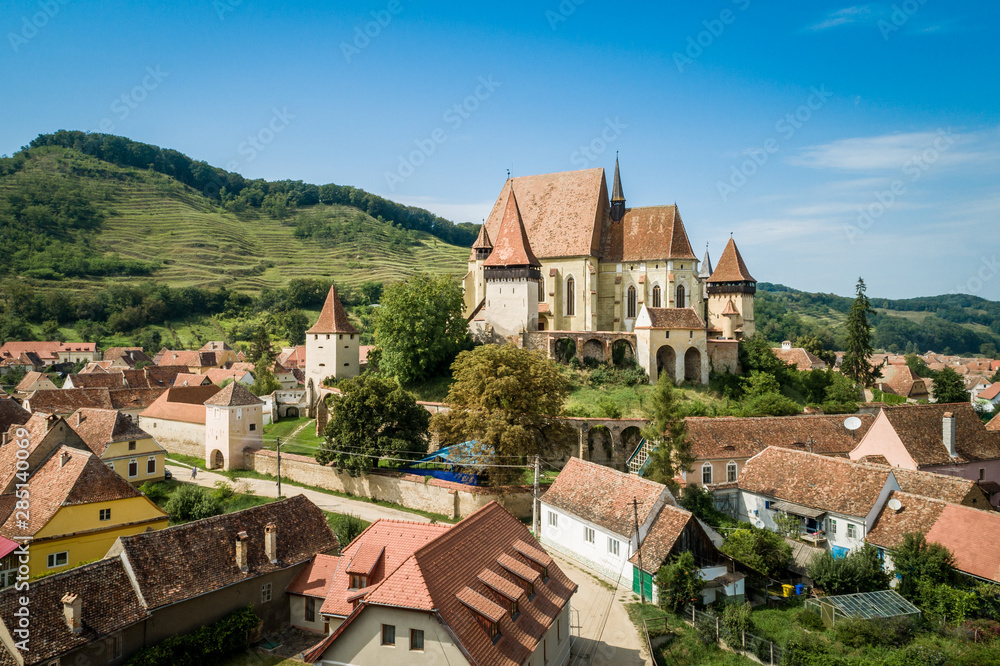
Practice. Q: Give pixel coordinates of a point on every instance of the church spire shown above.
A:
(706, 266)
(512, 247)
(617, 195)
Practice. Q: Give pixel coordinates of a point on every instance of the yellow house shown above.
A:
(120, 444)
(78, 508)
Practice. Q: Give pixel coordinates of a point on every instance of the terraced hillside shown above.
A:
(152, 217)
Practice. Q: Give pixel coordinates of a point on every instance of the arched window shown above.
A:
(570, 297)
(731, 472)
(541, 290)
(706, 474)
(657, 300)
(680, 296)
(630, 310)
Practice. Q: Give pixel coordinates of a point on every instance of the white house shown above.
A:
(989, 397)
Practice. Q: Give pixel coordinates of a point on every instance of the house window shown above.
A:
(358, 582)
(731, 471)
(115, 647)
(340, 337)
(253, 426)
(131, 446)
(982, 473)
(265, 593)
(310, 609)
(657, 299)
(541, 290)
(630, 302)
(239, 412)
(57, 559)
(852, 531)
(491, 628)
(680, 296)
(706, 474)
(388, 634)
(831, 526)
(133, 468)
(570, 297)
(105, 514)
(416, 639)
(151, 465)
(553, 519)
(588, 535)
(613, 546)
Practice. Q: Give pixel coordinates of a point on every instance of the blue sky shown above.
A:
(833, 140)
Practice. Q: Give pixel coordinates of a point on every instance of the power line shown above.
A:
(410, 460)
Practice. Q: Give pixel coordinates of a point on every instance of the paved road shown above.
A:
(364, 510)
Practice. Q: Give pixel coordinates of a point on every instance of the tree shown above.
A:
(261, 350)
(860, 571)
(950, 387)
(857, 364)
(264, 381)
(671, 454)
(813, 345)
(679, 583)
(760, 549)
(50, 330)
(701, 502)
(922, 563)
(919, 366)
(372, 418)
(420, 326)
(504, 399)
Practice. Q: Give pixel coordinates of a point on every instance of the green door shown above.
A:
(646, 582)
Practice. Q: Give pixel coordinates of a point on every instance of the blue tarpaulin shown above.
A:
(457, 454)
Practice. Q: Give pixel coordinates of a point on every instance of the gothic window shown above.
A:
(680, 296)
(656, 297)
(541, 290)
(630, 313)
(570, 297)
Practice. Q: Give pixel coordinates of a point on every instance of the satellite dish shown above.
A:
(758, 523)
(895, 504)
(852, 423)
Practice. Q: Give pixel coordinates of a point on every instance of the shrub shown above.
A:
(890, 632)
(347, 527)
(608, 408)
(634, 376)
(192, 503)
(206, 645)
(810, 620)
(737, 619)
(705, 626)
(679, 583)
(156, 492)
(860, 571)
(806, 650)
(603, 376)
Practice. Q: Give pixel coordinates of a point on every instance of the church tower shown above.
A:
(475, 287)
(332, 347)
(704, 273)
(617, 196)
(512, 273)
(731, 291)
(234, 420)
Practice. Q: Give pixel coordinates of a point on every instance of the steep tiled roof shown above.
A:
(216, 345)
(919, 427)
(234, 395)
(994, 423)
(669, 318)
(12, 413)
(332, 318)
(30, 379)
(730, 309)
(990, 392)
(901, 380)
(189, 560)
(651, 232)
(603, 496)
(100, 427)
(109, 604)
(91, 380)
(67, 401)
(662, 537)
(314, 579)
(731, 267)
(219, 375)
(802, 359)
(191, 379)
(820, 482)
(511, 247)
(482, 240)
(181, 403)
(935, 486)
(732, 437)
(970, 534)
(132, 399)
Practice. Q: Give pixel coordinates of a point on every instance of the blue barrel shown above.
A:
(799, 589)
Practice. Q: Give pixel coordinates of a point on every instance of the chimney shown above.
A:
(72, 606)
(271, 542)
(50, 421)
(241, 551)
(948, 433)
(63, 459)
(4, 440)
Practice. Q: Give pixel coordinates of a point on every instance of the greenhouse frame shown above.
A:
(866, 605)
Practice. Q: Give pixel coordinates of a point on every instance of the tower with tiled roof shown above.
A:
(332, 347)
(475, 284)
(731, 290)
(617, 196)
(512, 274)
(234, 420)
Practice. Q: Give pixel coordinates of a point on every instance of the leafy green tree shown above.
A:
(261, 349)
(372, 418)
(50, 330)
(737, 620)
(504, 399)
(667, 429)
(347, 527)
(679, 583)
(950, 387)
(701, 502)
(420, 326)
(264, 381)
(813, 345)
(857, 359)
(920, 563)
(860, 571)
(842, 394)
(919, 366)
(760, 549)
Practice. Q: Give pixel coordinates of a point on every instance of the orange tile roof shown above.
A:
(685, 318)
(736, 437)
(101, 427)
(651, 232)
(191, 379)
(901, 380)
(730, 309)
(603, 496)
(332, 318)
(512, 247)
(234, 395)
(919, 428)
(365, 558)
(990, 392)
(663, 534)
(67, 401)
(30, 379)
(801, 358)
(994, 423)
(314, 579)
(181, 403)
(482, 240)
(731, 267)
(12, 413)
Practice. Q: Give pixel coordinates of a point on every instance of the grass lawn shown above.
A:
(607, 401)
(432, 390)
(686, 647)
(305, 442)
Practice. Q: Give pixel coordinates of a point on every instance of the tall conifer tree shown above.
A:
(857, 359)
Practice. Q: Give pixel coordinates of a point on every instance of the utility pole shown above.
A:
(534, 501)
(278, 449)
(638, 548)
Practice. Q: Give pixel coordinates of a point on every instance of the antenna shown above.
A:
(895, 504)
(852, 423)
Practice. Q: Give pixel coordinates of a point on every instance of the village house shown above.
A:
(125, 357)
(942, 487)
(34, 381)
(799, 358)
(943, 438)
(989, 397)
(177, 419)
(969, 534)
(120, 444)
(479, 592)
(293, 357)
(66, 401)
(51, 353)
(902, 381)
(146, 589)
(152, 376)
(190, 379)
(238, 374)
(12, 413)
(307, 592)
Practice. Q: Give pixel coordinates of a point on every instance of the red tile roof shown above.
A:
(365, 558)
(731, 267)
(801, 358)
(662, 537)
(733, 437)
(234, 395)
(919, 428)
(314, 579)
(901, 380)
(67, 401)
(994, 423)
(12, 413)
(512, 247)
(603, 496)
(990, 392)
(652, 232)
(685, 318)
(101, 427)
(30, 379)
(482, 240)
(181, 403)
(332, 318)
(191, 379)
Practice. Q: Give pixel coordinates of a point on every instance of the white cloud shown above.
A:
(893, 151)
(857, 14)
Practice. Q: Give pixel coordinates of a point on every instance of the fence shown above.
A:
(709, 626)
